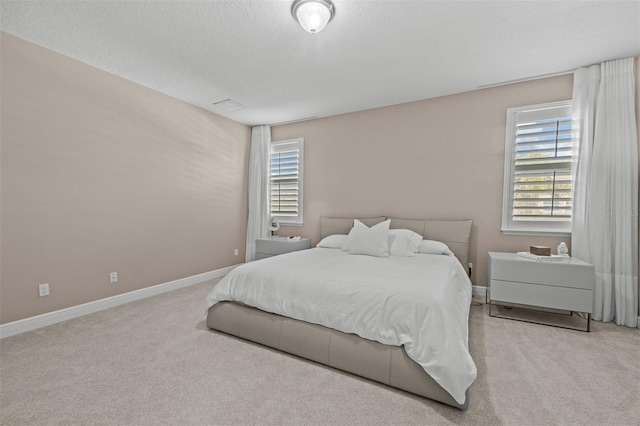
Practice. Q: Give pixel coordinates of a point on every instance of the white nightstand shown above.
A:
(566, 285)
(273, 246)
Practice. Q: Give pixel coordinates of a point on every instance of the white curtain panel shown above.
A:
(605, 206)
(585, 92)
(258, 222)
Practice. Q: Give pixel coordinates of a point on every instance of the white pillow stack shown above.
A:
(380, 241)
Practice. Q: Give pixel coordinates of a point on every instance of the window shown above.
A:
(286, 181)
(537, 170)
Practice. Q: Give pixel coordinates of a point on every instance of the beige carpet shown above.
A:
(155, 362)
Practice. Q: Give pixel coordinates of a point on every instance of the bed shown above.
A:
(401, 321)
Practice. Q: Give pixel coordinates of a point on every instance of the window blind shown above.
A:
(286, 180)
(542, 179)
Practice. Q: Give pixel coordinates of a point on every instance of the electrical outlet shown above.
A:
(235, 252)
(43, 289)
(113, 277)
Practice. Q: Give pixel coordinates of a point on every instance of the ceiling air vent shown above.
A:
(228, 105)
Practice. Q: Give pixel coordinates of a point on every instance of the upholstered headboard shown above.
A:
(454, 233)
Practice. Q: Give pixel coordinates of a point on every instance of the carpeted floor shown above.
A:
(155, 362)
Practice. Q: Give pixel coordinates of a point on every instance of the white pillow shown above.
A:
(372, 241)
(333, 241)
(434, 247)
(349, 241)
(403, 242)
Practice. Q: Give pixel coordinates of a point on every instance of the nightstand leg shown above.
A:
(498, 315)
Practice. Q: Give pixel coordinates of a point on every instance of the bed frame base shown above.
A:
(386, 364)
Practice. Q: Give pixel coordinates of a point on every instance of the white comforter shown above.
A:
(420, 302)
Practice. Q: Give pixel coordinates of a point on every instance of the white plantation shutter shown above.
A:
(538, 147)
(286, 181)
(542, 184)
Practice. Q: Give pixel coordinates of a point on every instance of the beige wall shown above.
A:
(100, 174)
(438, 158)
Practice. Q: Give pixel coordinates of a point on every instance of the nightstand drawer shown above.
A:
(572, 273)
(571, 299)
(267, 247)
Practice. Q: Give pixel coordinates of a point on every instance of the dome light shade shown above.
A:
(312, 15)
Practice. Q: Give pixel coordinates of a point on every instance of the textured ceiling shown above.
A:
(372, 54)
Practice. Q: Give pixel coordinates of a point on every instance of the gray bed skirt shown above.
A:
(389, 365)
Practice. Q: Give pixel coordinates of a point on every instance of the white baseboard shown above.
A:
(43, 320)
(479, 290)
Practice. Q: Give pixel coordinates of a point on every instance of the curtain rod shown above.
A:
(537, 77)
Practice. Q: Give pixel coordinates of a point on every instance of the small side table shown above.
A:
(273, 246)
(565, 285)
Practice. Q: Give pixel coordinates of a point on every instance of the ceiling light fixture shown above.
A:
(313, 15)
